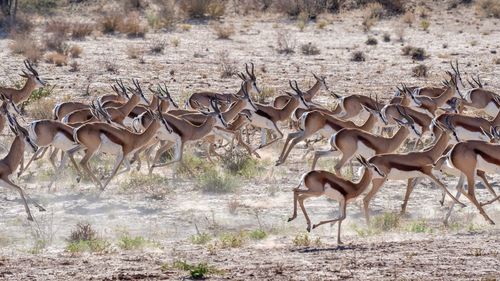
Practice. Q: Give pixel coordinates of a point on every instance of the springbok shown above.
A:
(319, 183)
(33, 82)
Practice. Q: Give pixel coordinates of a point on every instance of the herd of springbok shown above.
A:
(448, 130)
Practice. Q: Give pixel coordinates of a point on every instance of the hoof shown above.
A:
(340, 243)
(30, 218)
(308, 229)
(290, 219)
(41, 209)
(278, 163)
(441, 202)
(78, 179)
(314, 226)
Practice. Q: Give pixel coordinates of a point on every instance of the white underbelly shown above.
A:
(396, 174)
(108, 146)
(128, 122)
(262, 122)
(465, 135)
(364, 150)
(326, 132)
(62, 142)
(491, 109)
(487, 166)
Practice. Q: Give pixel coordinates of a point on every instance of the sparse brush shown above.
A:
(129, 243)
(111, 22)
(310, 49)
(214, 181)
(201, 238)
(185, 27)
(198, 271)
(371, 41)
(489, 8)
(285, 42)
(175, 42)
(203, 8)
(58, 26)
(238, 162)
(74, 66)
(266, 93)
(420, 70)
(419, 226)
(303, 240)
(80, 30)
(75, 51)
(26, 45)
(83, 231)
(418, 54)
(56, 58)
(223, 31)
(322, 24)
(358, 56)
(227, 66)
(111, 66)
(157, 47)
(374, 10)
(257, 234)
(385, 222)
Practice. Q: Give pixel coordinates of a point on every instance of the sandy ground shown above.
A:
(169, 214)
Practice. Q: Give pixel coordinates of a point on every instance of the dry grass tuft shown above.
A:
(420, 70)
(158, 47)
(408, 18)
(371, 41)
(223, 31)
(58, 26)
(74, 66)
(489, 8)
(227, 66)
(75, 51)
(56, 58)
(111, 22)
(310, 49)
(56, 42)
(42, 109)
(415, 53)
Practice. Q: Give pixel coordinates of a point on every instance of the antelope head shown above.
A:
(374, 170)
(299, 94)
(120, 90)
(406, 120)
(411, 94)
(7, 105)
(21, 132)
(459, 82)
(138, 91)
(216, 113)
(376, 110)
(322, 81)
(250, 80)
(249, 102)
(32, 74)
(163, 94)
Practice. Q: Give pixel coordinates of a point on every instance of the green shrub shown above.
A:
(419, 226)
(201, 238)
(232, 240)
(93, 246)
(198, 271)
(385, 222)
(214, 181)
(257, 234)
(240, 163)
(127, 242)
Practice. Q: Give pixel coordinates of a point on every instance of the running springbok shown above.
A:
(318, 183)
(33, 82)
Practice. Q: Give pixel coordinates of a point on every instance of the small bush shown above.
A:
(93, 246)
(419, 70)
(374, 10)
(223, 31)
(58, 26)
(303, 240)
(285, 42)
(75, 51)
(185, 27)
(496, 60)
(56, 58)
(257, 234)
(214, 181)
(167, 14)
(203, 8)
(240, 163)
(387, 37)
(81, 30)
(111, 66)
(419, 226)
(196, 272)
(82, 232)
(111, 22)
(175, 42)
(232, 240)
(201, 238)
(358, 56)
(132, 26)
(129, 243)
(266, 93)
(74, 66)
(157, 47)
(309, 49)
(489, 8)
(424, 24)
(371, 41)
(322, 24)
(415, 53)
(385, 222)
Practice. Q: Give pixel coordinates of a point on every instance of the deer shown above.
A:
(33, 81)
(353, 141)
(202, 99)
(408, 166)
(120, 96)
(184, 132)
(100, 137)
(281, 100)
(313, 122)
(10, 163)
(319, 183)
(470, 159)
